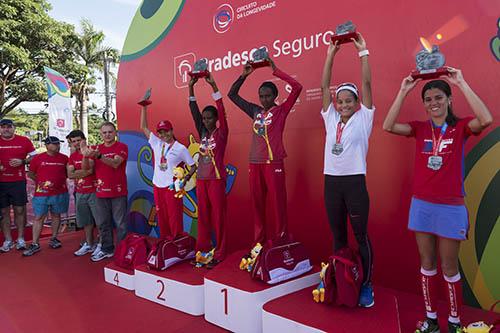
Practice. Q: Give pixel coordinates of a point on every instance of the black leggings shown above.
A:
(348, 195)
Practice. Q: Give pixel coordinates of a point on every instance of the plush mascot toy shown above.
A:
(319, 292)
(478, 327)
(248, 262)
(204, 258)
(179, 182)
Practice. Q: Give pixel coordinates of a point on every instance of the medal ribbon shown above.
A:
(269, 150)
(210, 153)
(340, 129)
(217, 174)
(266, 137)
(437, 143)
(163, 153)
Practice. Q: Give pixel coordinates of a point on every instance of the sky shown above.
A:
(113, 17)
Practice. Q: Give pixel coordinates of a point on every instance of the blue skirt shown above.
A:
(448, 221)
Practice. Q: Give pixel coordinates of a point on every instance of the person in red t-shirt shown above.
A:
(85, 198)
(110, 160)
(267, 152)
(15, 152)
(438, 213)
(48, 170)
(211, 174)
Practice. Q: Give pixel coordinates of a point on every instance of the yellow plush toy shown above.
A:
(204, 258)
(178, 173)
(247, 263)
(478, 327)
(319, 292)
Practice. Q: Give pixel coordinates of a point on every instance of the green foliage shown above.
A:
(90, 50)
(29, 40)
(35, 126)
(94, 122)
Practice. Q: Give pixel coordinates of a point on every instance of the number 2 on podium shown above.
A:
(224, 291)
(160, 295)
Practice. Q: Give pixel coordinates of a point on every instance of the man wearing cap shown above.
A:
(110, 163)
(15, 152)
(48, 170)
(168, 154)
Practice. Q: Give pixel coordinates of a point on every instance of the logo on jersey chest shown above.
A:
(444, 146)
(207, 147)
(207, 143)
(261, 121)
(52, 164)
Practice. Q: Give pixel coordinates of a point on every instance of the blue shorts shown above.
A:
(447, 221)
(58, 204)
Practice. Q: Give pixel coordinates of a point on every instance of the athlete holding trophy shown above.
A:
(437, 213)
(168, 154)
(211, 174)
(267, 152)
(348, 119)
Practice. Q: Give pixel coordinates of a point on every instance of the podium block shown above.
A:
(234, 301)
(179, 287)
(297, 312)
(120, 277)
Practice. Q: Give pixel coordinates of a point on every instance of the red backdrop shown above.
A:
(391, 29)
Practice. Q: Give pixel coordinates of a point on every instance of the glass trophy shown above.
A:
(260, 58)
(344, 32)
(200, 69)
(145, 100)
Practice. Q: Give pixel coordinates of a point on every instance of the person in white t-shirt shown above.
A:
(168, 154)
(348, 124)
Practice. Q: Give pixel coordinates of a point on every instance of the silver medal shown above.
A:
(337, 149)
(206, 159)
(434, 162)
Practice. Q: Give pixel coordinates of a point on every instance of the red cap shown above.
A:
(164, 125)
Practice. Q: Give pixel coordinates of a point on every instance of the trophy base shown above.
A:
(259, 64)
(198, 75)
(429, 74)
(145, 102)
(345, 38)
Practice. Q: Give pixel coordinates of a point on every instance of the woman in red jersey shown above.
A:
(211, 172)
(438, 214)
(267, 152)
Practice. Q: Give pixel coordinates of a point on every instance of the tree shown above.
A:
(90, 52)
(29, 40)
(35, 126)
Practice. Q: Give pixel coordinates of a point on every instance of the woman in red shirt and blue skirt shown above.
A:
(437, 213)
